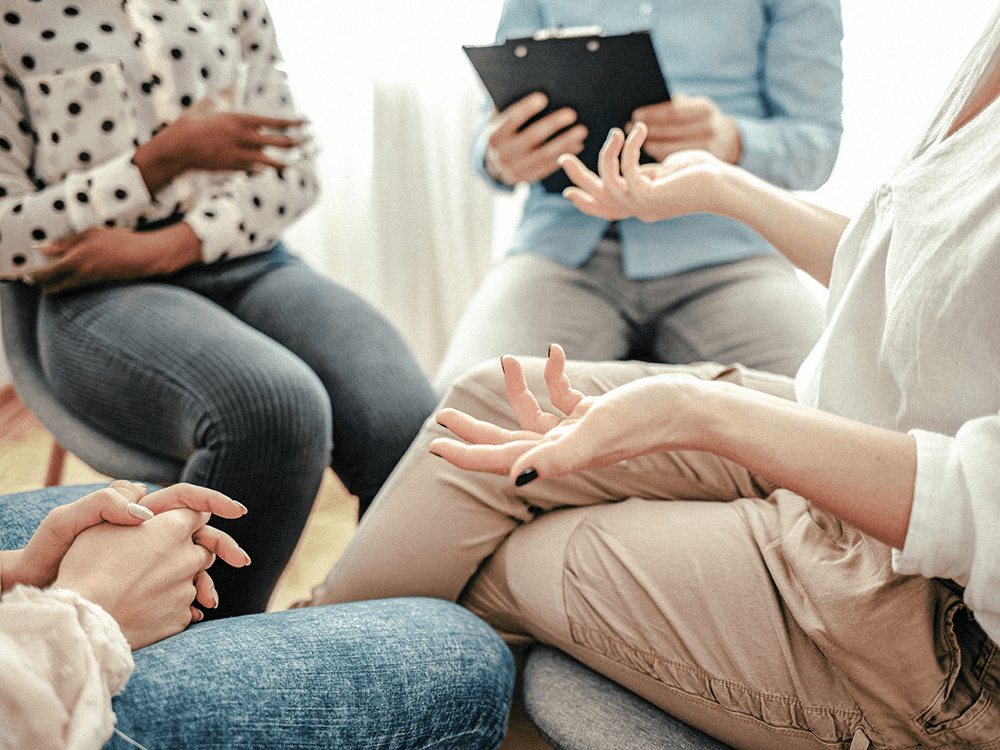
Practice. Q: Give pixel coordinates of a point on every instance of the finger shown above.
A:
(540, 461)
(609, 168)
(561, 393)
(257, 122)
(257, 159)
(589, 205)
(221, 544)
(540, 132)
(472, 430)
(545, 159)
(513, 117)
(196, 615)
(200, 499)
(491, 459)
(580, 174)
(658, 111)
(529, 414)
(631, 153)
(120, 503)
(61, 245)
(115, 504)
(259, 140)
(206, 595)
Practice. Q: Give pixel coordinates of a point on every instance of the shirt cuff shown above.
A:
(756, 146)
(213, 222)
(937, 528)
(114, 191)
(109, 645)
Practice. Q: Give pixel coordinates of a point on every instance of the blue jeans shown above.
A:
(255, 374)
(388, 674)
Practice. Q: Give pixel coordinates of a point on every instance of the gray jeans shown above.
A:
(754, 312)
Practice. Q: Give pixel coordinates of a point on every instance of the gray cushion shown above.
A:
(576, 708)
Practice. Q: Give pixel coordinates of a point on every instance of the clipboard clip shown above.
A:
(567, 32)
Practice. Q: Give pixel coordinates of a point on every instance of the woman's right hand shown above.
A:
(208, 139)
(514, 155)
(686, 182)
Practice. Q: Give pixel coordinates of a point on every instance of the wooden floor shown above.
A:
(25, 446)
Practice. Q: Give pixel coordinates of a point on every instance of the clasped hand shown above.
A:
(649, 415)
(143, 558)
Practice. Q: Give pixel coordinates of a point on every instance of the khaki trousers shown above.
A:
(730, 603)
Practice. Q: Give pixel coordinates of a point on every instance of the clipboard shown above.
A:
(603, 78)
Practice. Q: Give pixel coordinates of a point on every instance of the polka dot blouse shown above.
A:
(85, 82)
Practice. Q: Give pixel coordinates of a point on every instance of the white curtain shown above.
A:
(403, 220)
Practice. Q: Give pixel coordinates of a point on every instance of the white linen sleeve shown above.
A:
(954, 529)
(62, 659)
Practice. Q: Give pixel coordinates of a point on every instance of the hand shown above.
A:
(643, 417)
(529, 155)
(113, 254)
(686, 123)
(122, 503)
(209, 140)
(687, 182)
(148, 577)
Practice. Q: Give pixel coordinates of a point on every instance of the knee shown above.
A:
(283, 408)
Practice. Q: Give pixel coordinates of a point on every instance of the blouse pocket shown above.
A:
(82, 118)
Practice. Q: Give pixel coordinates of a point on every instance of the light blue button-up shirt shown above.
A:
(774, 66)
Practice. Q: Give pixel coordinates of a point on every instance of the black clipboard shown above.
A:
(603, 78)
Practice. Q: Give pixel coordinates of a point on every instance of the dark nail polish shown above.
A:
(528, 475)
(502, 368)
(549, 354)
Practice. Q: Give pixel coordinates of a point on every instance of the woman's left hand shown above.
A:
(642, 417)
(686, 182)
(112, 254)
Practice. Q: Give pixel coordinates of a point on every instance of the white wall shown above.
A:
(899, 56)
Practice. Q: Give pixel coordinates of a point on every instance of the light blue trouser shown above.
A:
(247, 371)
(385, 675)
(754, 312)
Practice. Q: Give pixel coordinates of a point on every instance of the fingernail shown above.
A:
(215, 599)
(245, 508)
(245, 555)
(140, 485)
(139, 511)
(528, 475)
(502, 368)
(549, 353)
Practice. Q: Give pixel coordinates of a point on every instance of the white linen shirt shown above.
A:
(913, 340)
(86, 83)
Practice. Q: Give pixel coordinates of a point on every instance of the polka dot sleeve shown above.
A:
(42, 197)
(237, 215)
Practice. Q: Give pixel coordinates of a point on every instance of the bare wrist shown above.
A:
(157, 170)
(9, 563)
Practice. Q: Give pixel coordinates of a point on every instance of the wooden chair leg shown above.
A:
(57, 462)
